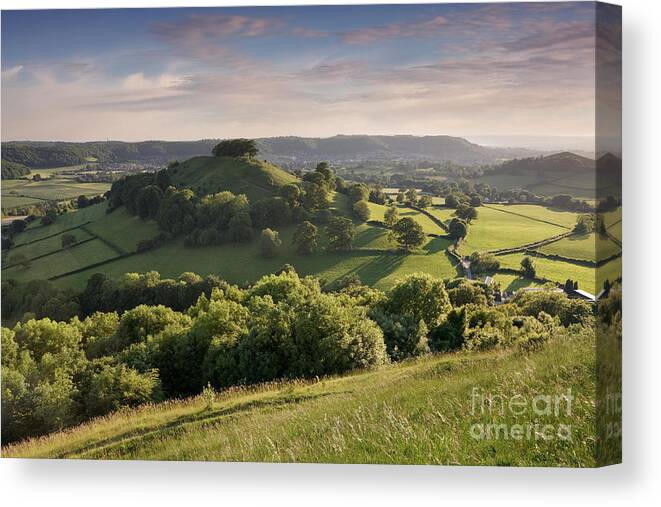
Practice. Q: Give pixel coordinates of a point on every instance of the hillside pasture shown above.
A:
(589, 247)
(557, 271)
(498, 227)
(209, 175)
(413, 412)
(70, 259)
(45, 246)
(374, 259)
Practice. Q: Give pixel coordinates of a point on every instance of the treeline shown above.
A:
(13, 170)
(57, 374)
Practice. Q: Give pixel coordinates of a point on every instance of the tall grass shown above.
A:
(416, 412)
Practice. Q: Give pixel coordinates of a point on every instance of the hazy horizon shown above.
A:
(449, 69)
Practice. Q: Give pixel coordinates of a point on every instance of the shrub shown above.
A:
(419, 296)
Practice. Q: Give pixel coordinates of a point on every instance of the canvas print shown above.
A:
(323, 234)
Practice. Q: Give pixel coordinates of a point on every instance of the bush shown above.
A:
(269, 243)
(361, 211)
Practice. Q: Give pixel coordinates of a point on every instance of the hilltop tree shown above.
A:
(270, 242)
(361, 211)
(391, 216)
(528, 267)
(408, 233)
(458, 229)
(236, 148)
(340, 232)
(306, 238)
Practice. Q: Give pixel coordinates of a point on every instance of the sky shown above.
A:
(177, 74)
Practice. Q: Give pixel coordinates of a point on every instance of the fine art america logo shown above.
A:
(519, 417)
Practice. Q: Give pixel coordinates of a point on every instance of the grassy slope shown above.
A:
(557, 271)
(242, 263)
(506, 227)
(415, 412)
(208, 175)
(588, 247)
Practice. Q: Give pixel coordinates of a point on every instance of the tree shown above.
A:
(412, 195)
(458, 229)
(476, 201)
(82, 201)
(68, 240)
(270, 242)
(401, 197)
(528, 267)
(585, 224)
(421, 297)
(378, 196)
(425, 202)
(391, 216)
(315, 196)
(306, 238)
(451, 201)
(361, 211)
(483, 262)
(236, 148)
(240, 227)
(329, 177)
(408, 233)
(465, 212)
(148, 201)
(359, 192)
(291, 193)
(340, 232)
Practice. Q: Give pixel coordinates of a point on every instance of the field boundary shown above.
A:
(580, 262)
(528, 246)
(79, 226)
(526, 216)
(54, 251)
(115, 248)
(91, 266)
(431, 217)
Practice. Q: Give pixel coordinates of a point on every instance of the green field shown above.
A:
(589, 247)
(500, 226)
(72, 258)
(22, 192)
(512, 283)
(373, 260)
(558, 271)
(412, 412)
(47, 245)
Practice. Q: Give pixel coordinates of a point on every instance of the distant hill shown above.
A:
(556, 164)
(560, 173)
(278, 149)
(207, 175)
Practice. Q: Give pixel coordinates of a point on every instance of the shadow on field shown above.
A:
(201, 418)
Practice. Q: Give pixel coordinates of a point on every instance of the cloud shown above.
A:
(416, 29)
(12, 72)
